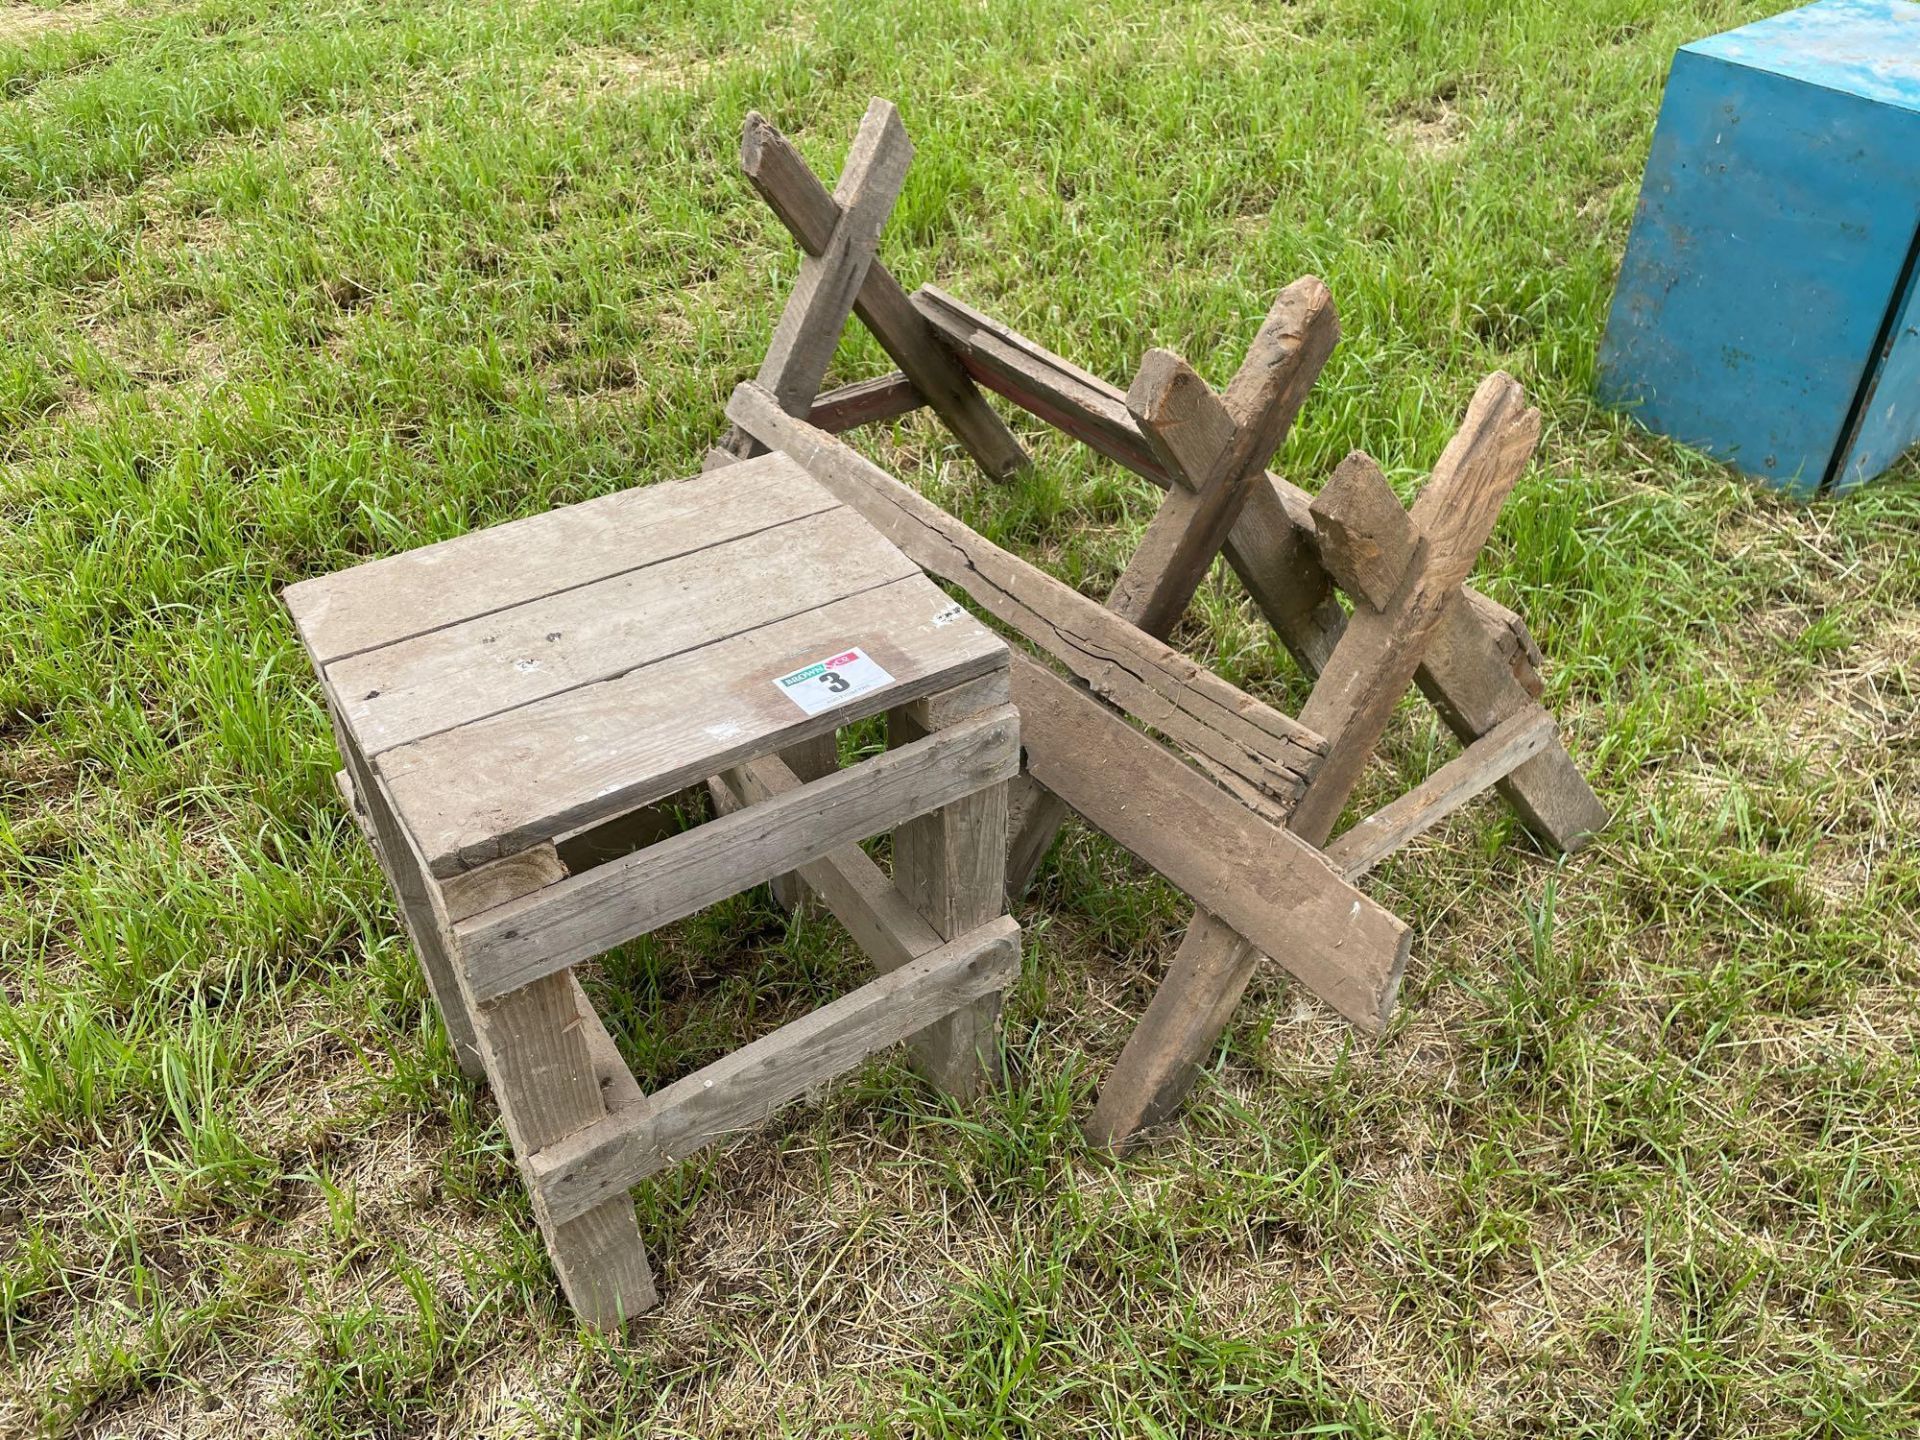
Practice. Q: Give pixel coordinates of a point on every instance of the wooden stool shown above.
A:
(515, 705)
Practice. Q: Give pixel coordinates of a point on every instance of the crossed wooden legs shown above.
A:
(1220, 446)
(951, 866)
(837, 233)
(1354, 697)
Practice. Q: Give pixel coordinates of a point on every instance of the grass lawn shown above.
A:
(287, 286)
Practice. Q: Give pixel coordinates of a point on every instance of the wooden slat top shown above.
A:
(522, 681)
(390, 599)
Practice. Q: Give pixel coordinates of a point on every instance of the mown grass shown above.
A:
(288, 286)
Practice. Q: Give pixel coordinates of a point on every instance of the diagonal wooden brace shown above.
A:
(814, 218)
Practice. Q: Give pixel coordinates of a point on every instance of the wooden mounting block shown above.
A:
(514, 706)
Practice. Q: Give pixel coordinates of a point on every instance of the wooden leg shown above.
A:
(951, 865)
(411, 892)
(1034, 817)
(539, 1061)
(533, 1045)
(1183, 1022)
(1474, 691)
(810, 760)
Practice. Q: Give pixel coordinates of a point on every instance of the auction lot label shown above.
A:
(834, 681)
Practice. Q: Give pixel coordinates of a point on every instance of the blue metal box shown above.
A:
(1767, 310)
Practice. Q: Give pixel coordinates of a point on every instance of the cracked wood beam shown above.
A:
(1147, 678)
(794, 193)
(1470, 672)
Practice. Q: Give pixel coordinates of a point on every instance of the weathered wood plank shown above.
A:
(1216, 451)
(385, 601)
(1034, 817)
(1470, 671)
(1196, 999)
(816, 312)
(1512, 639)
(1147, 678)
(1167, 398)
(941, 708)
(1381, 650)
(595, 1166)
(1038, 381)
(499, 785)
(1366, 540)
(512, 945)
(951, 861)
(465, 672)
(809, 329)
(419, 910)
(776, 170)
(1272, 549)
(886, 925)
(499, 881)
(1188, 426)
(865, 402)
(1492, 757)
(1267, 884)
(1470, 645)
(617, 1085)
(541, 1067)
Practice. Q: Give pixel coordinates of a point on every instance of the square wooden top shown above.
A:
(519, 682)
